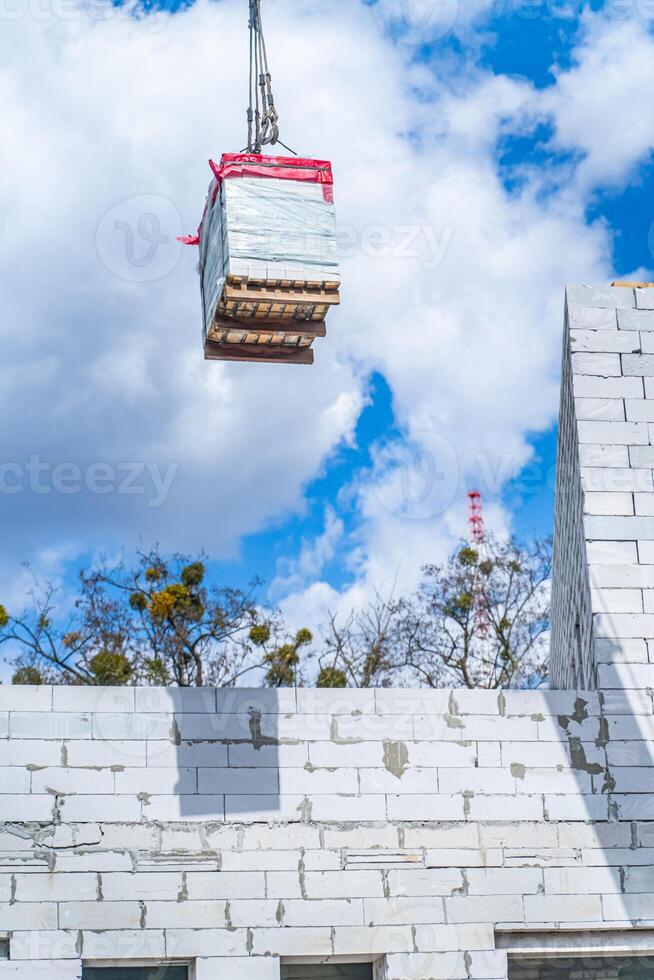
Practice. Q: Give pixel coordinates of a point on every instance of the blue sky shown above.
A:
(512, 138)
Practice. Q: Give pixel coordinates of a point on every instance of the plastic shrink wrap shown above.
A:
(269, 221)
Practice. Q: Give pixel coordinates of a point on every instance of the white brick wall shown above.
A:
(602, 598)
(41, 970)
(420, 864)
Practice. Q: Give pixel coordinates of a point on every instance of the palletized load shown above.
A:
(268, 257)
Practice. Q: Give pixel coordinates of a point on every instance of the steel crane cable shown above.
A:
(262, 115)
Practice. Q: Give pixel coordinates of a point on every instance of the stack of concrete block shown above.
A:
(268, 258)
(603, 582)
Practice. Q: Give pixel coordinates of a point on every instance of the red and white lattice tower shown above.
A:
(476, 518)
(477, 535)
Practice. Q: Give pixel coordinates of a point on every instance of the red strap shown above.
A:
(282, 168)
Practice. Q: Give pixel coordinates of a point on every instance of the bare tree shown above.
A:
(479, 620)
(153, 621)
(367, 648)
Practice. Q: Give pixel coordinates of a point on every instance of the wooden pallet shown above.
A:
(289, 333)
(315, 285)
(257, 353)
(283, 299)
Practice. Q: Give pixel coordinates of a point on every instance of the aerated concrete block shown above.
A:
(616, 504)
(598, 365)
(636, 365)
(619, 528)
(639, 410)
(587, 386)
(605, 454)
(591, 318)
(41, 970)
(600, 409)
(605, 341)
(608, 297)
(625, 433)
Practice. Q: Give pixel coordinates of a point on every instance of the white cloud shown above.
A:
(456, 298)
(294, 573)
(602, 105)
(418, 22)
